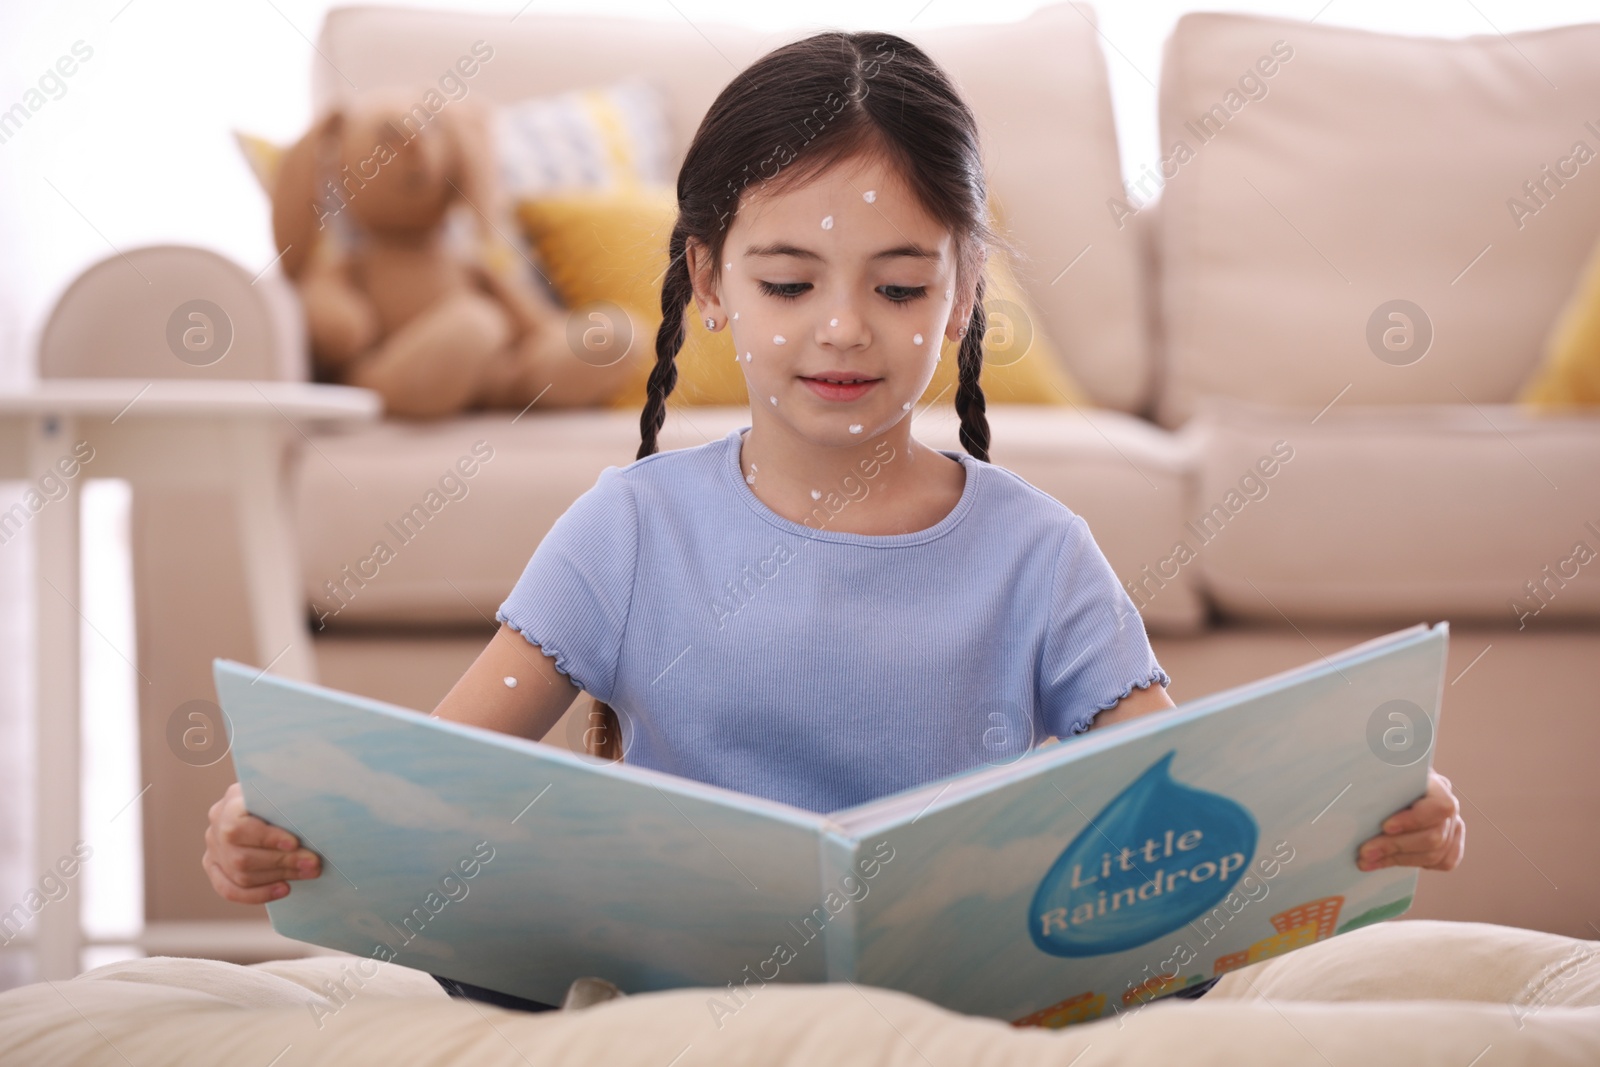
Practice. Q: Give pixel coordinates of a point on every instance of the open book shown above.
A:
(1079, 879)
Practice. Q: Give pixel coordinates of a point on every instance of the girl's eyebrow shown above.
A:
(779, 248)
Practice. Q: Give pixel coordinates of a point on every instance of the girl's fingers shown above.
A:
(239, 827)
(258, 866)
(247, 867)
(228, 890)
(1426, 847)
(1437, 804)
(247, 859)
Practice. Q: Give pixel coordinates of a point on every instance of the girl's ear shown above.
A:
(966, 299)
(698, 258)
(297, 213)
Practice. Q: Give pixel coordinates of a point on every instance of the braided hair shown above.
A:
(790, 115)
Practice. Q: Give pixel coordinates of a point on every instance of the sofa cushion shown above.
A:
(1037, 86)
(1405, 513)
(419, 523)
(1327, 172)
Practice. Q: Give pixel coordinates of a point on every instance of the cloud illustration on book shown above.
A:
(1157, 856)
(318, 767)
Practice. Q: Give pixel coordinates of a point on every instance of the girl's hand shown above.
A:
(248, 859)
(1430, 833)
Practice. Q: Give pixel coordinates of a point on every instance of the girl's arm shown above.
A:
(530, 708)
(1138, 702)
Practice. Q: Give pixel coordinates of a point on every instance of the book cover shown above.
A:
(1058, 885)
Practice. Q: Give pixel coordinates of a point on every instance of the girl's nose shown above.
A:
(843, 327)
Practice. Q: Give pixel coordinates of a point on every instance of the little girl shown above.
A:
(815, 608)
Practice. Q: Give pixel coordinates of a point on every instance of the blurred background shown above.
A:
(132, 154)
(137, 147)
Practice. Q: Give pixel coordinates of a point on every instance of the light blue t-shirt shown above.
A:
(819, 667)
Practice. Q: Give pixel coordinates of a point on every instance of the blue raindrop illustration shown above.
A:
(1157, 856)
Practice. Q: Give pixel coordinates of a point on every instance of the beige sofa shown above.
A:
(1328, 172)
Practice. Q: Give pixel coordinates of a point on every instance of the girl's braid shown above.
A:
(602, 735)
(970, 404)
(676, 292)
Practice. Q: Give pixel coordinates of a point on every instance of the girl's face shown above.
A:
(846, 277)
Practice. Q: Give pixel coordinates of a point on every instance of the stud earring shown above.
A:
(961, 332)
(711, 324)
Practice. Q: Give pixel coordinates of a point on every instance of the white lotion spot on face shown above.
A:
(777, 339)
(816, 494)
(729, 266)
(870, 195)
(916, 339)
(946, 296)
(827, 223)
(774, 400)
(746, 357)
(511, 683)
(855, 427)
(833, 322)
(736, 316)
(906, 406)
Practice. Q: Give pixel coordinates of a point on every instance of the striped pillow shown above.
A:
(586, 139)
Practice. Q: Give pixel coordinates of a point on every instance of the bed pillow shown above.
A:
(611, 246)
(1569, 374)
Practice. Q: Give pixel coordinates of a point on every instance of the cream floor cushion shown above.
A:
(1417, 993)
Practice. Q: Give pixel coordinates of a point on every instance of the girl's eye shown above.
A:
(912, 293)
(902, 294)
(780, 289)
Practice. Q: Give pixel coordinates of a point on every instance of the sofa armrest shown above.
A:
(127, 315)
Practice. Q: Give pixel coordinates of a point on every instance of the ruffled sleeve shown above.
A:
(574, 595)
(1095, 650)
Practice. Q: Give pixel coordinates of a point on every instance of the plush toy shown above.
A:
(388, 218)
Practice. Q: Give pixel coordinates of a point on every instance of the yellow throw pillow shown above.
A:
(611, 246)
(1569, 375)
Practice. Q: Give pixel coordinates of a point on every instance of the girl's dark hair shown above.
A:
(781, 122)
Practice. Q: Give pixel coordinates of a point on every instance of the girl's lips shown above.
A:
(830, 391)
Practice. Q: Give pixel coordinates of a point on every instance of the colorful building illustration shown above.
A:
(1230, 961)
(1297, 927)
(1324, 913)
(1081, 1008)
